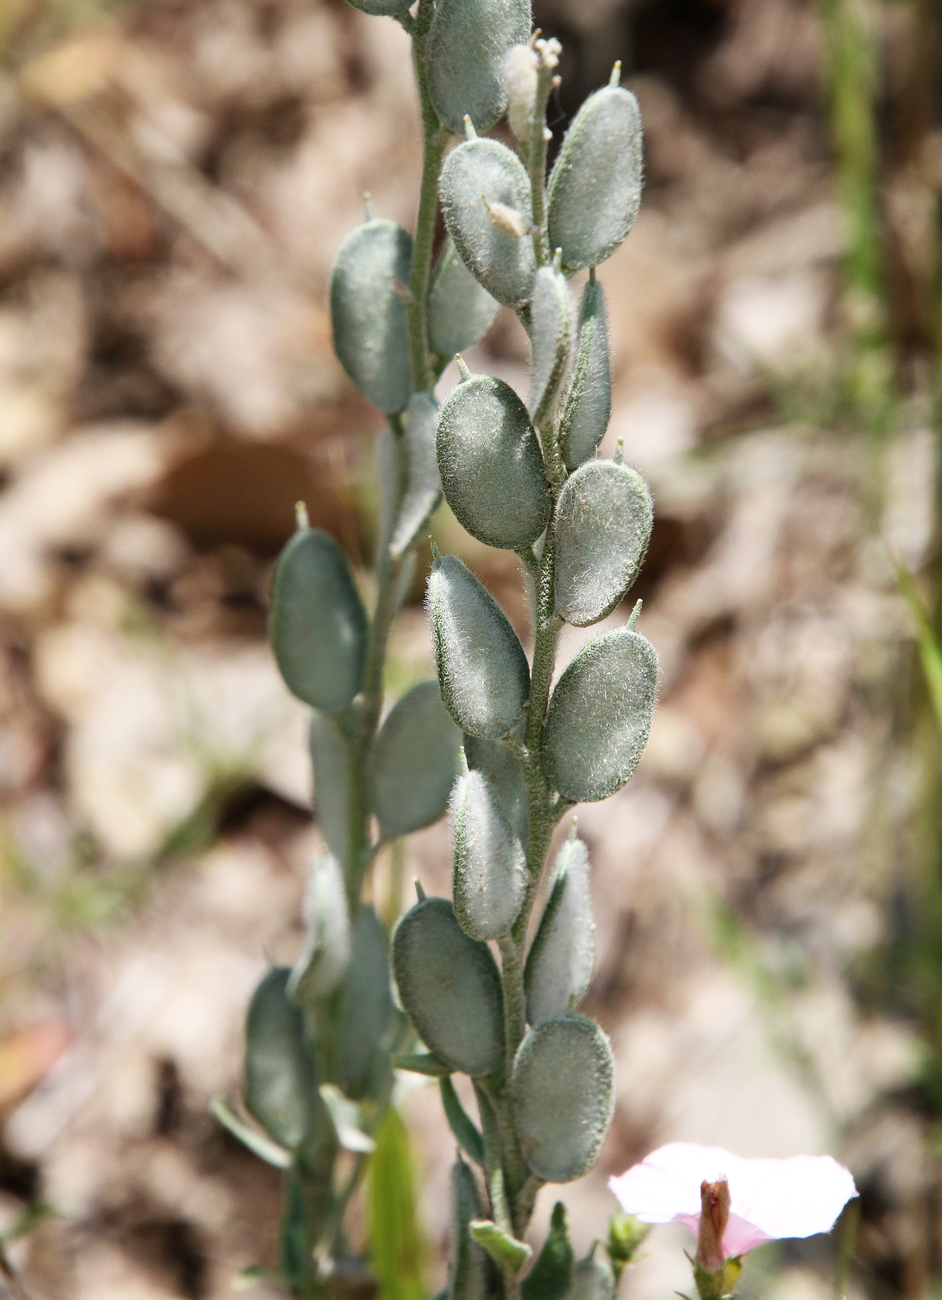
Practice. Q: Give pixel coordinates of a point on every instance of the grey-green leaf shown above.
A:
(423, 486)
(551, 1276)
(482, 669)
(489, 877)
(467, 1263)
(414, 762)
(559, 965)
(498, 763)
(588, 406)
(595, 187)
(317, 625)
(477, 174)
(366, 1005)
(600, 716)
(280, 1082)
(460, 310)
(551, 335)
(562, 1096)
(449, 986)
(491, 464)
(326, 951)
(603, 525)
(368, 311)
(467, 45)
(329, 759)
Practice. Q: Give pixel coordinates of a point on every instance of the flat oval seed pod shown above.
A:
(603, 525)
(551, 335)
(317, 625)
(491, 464)
(366, 1006)
(387, 8)
(595, 187)
(423, 485)
(600, 715)
(449, 986)
(414, 762)
(589, 400)
(325, 954)
(496, 761)
(467, 45)
(561, 958)
(482, 669)
(460, 311)
(468, 1268)
(561, 1092)
(280, 1083)
(493, 242)
(329, 758)
(489, 876)
(368, 312)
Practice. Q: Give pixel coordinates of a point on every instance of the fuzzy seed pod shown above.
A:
(467, 45)
(280, 1080)
(551, 335)
(589, 400)
(460, 311)
(329, 759)
(414, 762)
(326, 952)
(497, 762)
(561, 958)
(366, 1007)
(489, 877)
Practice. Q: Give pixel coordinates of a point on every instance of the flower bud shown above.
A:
(521, 65)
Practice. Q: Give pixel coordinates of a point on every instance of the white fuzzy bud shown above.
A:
(521, 64)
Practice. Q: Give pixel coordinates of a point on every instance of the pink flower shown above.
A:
(769, 1199)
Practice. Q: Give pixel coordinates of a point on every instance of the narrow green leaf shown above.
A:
(465, 1130)
(468, 1266)
(397, 1251)
(550, 1278)
(930, 653)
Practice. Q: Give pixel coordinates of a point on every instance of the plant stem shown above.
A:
(536, 165)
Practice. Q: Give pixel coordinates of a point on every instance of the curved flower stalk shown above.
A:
(733, 1203)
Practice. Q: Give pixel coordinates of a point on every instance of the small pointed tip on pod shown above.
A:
(588, 407)
(600, 716)
(491, 465)
(604, 517)
(449, 987)
(562, 1096)
(414, 762)
(467, 45)
(482, 669)
(476, 175)
(318, 625)
(489, 877)
(595, 187)
(368, 312)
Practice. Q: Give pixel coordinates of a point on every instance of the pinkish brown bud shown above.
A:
(714, 1216)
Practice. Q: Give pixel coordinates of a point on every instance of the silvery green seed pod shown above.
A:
(389, 8)
(559, 965)
(414, 762)
(329, 760)
(280, 1082)
(449, 986)
(482, 669)
(589, 400)
(368, 311)
(318, 625)
(595, 188)
(551, 335)
(497, 762)
(460, 311)
(489, 877)
(600, 716)
(498, 251)
(466, 48)
(561, 1093)
(491, 464)
(325, 954)
(468, 1268)
(593, 1279)
(423, 486)
(603, 525)
(366, 1006)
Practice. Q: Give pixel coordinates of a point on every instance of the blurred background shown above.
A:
(175, 176)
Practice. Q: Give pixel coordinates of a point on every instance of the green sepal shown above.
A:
(426, 1063)
(501, 767)
(318, 626)
(467, 44)
(366, 1007)
(551, 335)
(594, 191)
(459, 1121)
(550, 1278)
(460, 310)
(588, 407)
(368, 311)
(562, 955)
(600, 716)
(489, 875)
(468, 1267)
(625, 1235)
(449, 987)
(483, 673)
(279, 1075)
(491, 465)
(478, 173)
(414, 762)
(718, 1285)
(562, 1097)
(325, 954)
(506, 1251)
